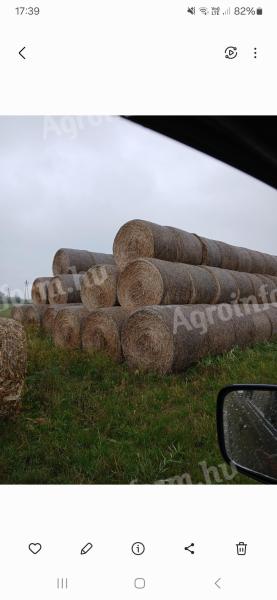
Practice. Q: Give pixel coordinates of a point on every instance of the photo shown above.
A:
(138, 300)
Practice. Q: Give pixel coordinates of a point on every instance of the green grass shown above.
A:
(5, 310)
(86, 420)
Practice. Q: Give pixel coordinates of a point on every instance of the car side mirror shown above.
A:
(247, 429)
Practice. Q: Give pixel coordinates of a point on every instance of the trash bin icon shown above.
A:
(241, 548)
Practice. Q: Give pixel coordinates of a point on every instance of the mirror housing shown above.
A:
(247, 429)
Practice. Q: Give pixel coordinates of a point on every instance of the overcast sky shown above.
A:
(67, 182)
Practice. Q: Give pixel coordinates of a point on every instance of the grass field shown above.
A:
(86, 420)
(5, 310)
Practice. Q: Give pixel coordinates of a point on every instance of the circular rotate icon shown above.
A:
(138, 548)
(231, 52)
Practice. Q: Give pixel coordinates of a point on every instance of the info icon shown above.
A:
(138, 548)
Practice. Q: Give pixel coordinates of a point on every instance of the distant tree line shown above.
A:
(4, 299)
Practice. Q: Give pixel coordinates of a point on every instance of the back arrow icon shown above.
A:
(217, 583)
(20, 52)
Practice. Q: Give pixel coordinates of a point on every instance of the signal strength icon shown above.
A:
(204, 10)
(227, 12)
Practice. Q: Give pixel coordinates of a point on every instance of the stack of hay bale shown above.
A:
(162, 301)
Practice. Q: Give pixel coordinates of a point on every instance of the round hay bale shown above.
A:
(140, 283)
(272, 316)
(147, 340)
(273, 291)
(262, 327)
(244, 260)
(211, 254)
(18, 312)
(99, 287)
(220, 334)
(272, 278)
(48, 318)
(268, 286)
(69, 260)
(142, 239)
(65, 289)
(270, 264)
(254, 326)
(258, 264)
(28, 314)
(139, 238)
(165, 338)
(229, 256)
(205, 286)
(257, 283)
(101, 331)
(152, 282)
(13, 360)
(244, 283)
(227, 287)
(40, 290)
(244, 326)
(171, 338)
(67, 327)
(33, 314)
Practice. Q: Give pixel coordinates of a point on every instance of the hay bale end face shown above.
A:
(69, 260)
(141, 283)
(48, 318)
(40, 290)
(65, 289)
(147, 340)
(13, 360)
(67, 327)
(101, 331)
(99, 287)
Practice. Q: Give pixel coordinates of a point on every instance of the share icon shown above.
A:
(189, 548)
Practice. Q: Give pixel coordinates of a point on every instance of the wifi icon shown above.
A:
(203, 10)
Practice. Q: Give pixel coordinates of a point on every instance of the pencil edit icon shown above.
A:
(86, 548)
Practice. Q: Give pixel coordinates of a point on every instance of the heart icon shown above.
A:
(35, 548)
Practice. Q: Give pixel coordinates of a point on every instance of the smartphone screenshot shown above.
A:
(138, 299)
